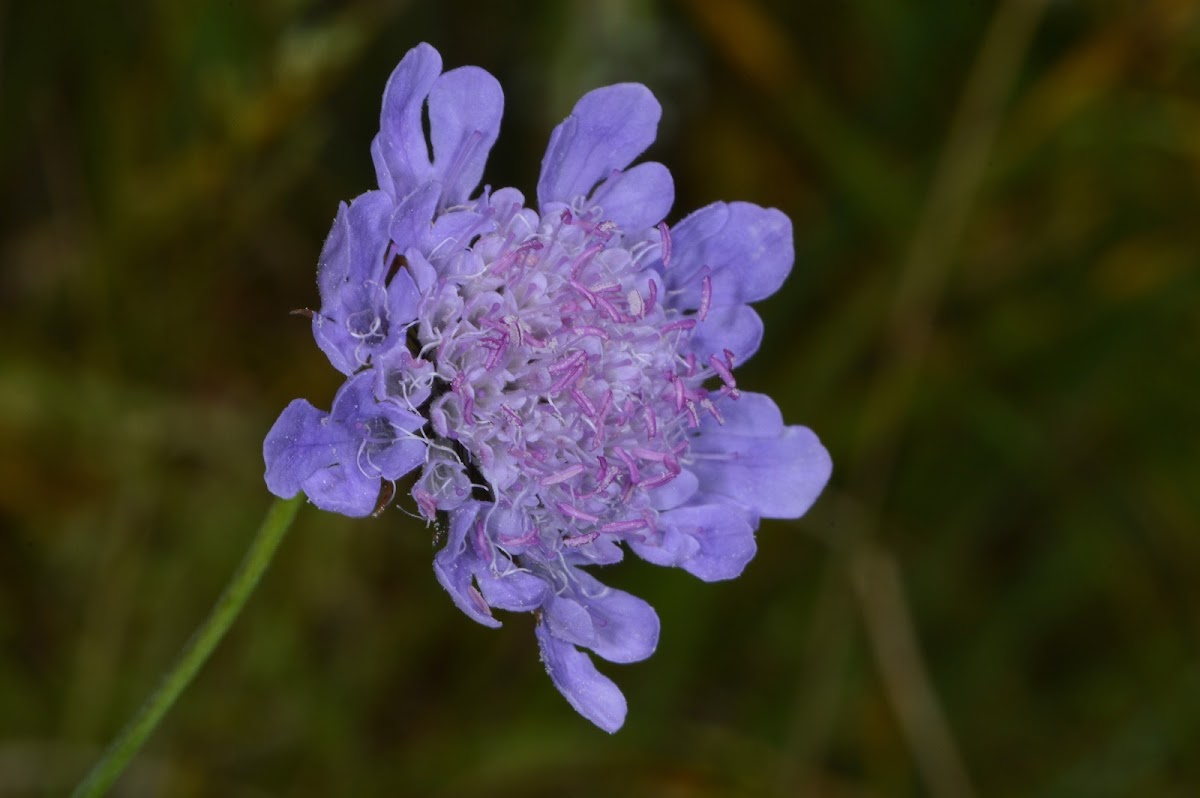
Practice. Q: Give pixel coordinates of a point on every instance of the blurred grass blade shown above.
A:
(262, 550)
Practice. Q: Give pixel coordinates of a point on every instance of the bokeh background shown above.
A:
(993, 324)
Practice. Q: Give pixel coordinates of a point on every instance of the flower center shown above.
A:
(569, 382)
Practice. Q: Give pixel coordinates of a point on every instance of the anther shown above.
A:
(678, 324)
(512, 415)
(636, 304)
(630, 464)
(584, 402)
(477, 600)
(631, 525)
(565, 380)
(597, 332)
(722, 371)
(571, 511)
(711, 408)
(575, 360)
(705, 297)
(562, 476)
(580, 540)
(651, 421)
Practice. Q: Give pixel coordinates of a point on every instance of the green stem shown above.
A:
(195, 653)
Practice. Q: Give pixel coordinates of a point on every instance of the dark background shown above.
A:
(992, 323)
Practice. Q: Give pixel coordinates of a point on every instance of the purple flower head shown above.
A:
(561, 374)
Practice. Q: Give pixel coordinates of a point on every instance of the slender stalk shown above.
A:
(195, 653)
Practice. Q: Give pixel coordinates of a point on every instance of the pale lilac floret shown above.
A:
(562, 374)
(340, 459)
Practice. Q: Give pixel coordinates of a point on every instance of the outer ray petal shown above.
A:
(608, 128)
(636, 198)
(400, 152)
(711, 541)
(591, 693)
(465, 107)
(748, 248)
(755, 461)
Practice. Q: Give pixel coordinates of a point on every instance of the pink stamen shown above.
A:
(562, 476)
(665, 236)
(705, 297)
(610, 474)
(584, 259)
(513, 323)
(529, 537)
(679, 395)
(659, 481)
(588, 295)
(627, 492)
(626, 413)
(512, 415)
(498, 347)
(636, 305)
(679, 324)
(584, 402)
(634, 474)
(477, 600)
(580, 540)
(587, 330)
(631, 525)
(425, 502)
(691, 364)
(693, 416)
(605, 404)
(571, 511)
(570, 364)
(722, 371)
(482, 545)
(653, 292)
(711, 408)
(651, 421)
(565, 380)
(610, 310)
(649, 454)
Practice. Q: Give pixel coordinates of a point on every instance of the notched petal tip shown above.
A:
(638, 198)
(590, 692)
(748, 249)
(713, 541)
(775, 471)
(295, 447)
(455, 565)
(465, 108)
(400, 150)
(607, 129)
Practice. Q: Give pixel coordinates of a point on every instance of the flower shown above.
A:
(561, 374)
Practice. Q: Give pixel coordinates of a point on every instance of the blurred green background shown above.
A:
(993, 323)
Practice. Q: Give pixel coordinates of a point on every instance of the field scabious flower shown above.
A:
(561, 374)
